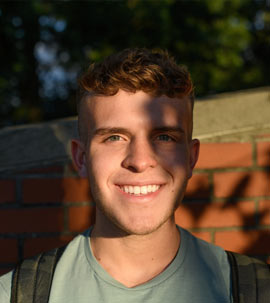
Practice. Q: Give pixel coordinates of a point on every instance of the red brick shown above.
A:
(264, 212)
(206, 236)
(199, 215)
(242, 184)
(247, 242)
(81, 218)
(263, 153)
(31, 220)
(220, 155)
(198, 186)
(34, 246)
(8, 251)
(55, 190)
(76, 190)
(7, 191)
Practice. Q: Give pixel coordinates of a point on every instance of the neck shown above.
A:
(124, 257)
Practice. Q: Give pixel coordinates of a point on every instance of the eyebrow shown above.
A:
(112, 130)
(168, 129)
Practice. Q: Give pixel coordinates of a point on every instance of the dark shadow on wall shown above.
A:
(254, 225)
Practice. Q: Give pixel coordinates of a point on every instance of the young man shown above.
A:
(137, 151)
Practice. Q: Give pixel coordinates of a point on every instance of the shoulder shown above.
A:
(5, 287)
(210, 262)
(6, 280)
(203, 248)
(206, 256)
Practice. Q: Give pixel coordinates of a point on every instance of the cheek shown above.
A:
(101, 165)
(175, 158)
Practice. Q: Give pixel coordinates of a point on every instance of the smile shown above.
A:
(139, 190)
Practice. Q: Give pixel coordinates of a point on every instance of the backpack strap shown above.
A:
(250, 279)
(32, 278)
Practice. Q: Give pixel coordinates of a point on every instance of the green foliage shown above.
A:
(45, 45)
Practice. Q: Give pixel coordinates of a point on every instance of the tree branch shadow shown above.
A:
(253, 223)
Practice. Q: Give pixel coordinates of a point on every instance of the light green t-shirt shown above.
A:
(200, 273)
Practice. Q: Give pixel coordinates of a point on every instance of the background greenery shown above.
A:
(45, 45)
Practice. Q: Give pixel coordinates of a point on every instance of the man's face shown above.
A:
(138, 156)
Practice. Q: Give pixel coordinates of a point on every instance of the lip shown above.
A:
(140, 183)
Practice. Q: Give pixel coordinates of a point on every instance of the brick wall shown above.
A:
(227, 203)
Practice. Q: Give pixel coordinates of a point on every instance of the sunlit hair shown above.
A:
(152, 71)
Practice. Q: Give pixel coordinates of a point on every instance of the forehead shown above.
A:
(134, 110)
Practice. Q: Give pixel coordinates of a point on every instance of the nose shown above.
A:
(140, 156)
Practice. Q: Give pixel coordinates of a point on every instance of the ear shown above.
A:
(78, 157)
(194, 154)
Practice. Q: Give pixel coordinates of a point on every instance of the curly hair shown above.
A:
(152, 71)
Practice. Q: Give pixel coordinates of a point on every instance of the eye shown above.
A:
(164, 137)
(114, 138)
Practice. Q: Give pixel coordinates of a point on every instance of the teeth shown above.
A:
(137, 190)
(140, 190)
(144, 190)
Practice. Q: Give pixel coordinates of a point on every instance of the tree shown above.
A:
(45, 46)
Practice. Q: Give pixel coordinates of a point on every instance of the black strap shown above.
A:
(234, 277)
(32, 278)
(250, 279)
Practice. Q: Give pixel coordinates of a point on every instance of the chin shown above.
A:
(139, 222)
(141, 227)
